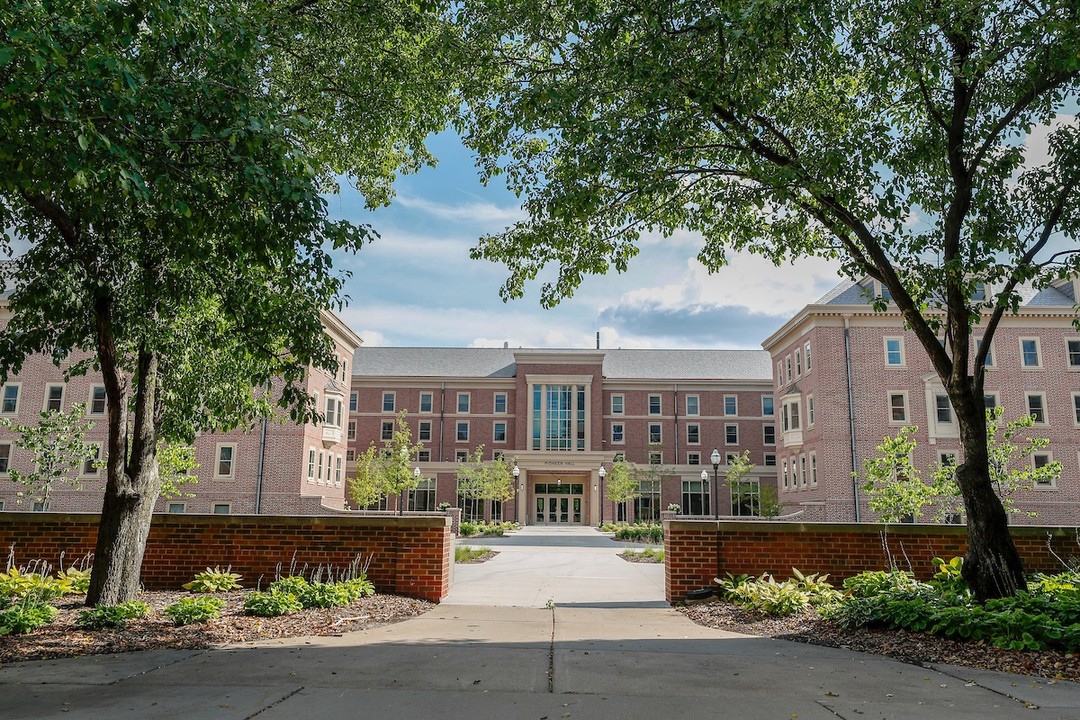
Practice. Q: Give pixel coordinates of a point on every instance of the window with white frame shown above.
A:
(338, 467)
(798, 363)
(222, 508)
(730, 458)
(943, 409)
(5, 457)
(226, 460)
(767, 407)
(768, 434)
(1039, 460)
(813, 469)
(463, 402)
(9, 405)
(176, 508)
(349, 455)
(54, 398)
(990, 400)
(354, 401)
(617, 433)
(499, 432)
(617, 404)
(731, 434)
(806, 348)
(789, 415)
(802, 470)
(784, 475)
(947, 458)
(989, 362)
(787, 367)
(97, 400)
(1073, 353)
(1076, 408)
(90, 466)
(423, 431)
(695, 497)
(779, 374)
(425, 402)
(894, 351)
(1030, 353)
(500, 403)
(352, 430)
(422, 497)
(462, 431)
(333, 412)
(655, 434)
(693, 405)
(655, 405)
(311, 465)
(389, 401)
(810, 411)
(898, 414)
(461, 456)
(693, 458)
(769, 460)
(423, 456)
(386, 430)
(1036, 407)
(731, 405)
(656, 457)
(693, 434)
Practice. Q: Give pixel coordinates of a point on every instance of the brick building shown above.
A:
(846, 376)
(278, 467)
(562, 414)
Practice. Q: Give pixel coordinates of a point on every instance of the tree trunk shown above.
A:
(992, 566)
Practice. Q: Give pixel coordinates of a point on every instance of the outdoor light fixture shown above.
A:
(401, 502)
(715, 458)
(602, 473)
(521, 488)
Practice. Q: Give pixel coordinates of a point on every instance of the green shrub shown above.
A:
(16, 584)
(324, 595)
(25, 615)
(74, 580)
(293, 584)
(212, 581)
(194, 609)
(115, 616)
(358, 587)
(271, 604)
(875, 582)
(766, 595)
(948, 577)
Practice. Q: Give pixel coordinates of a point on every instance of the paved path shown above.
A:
(572, 660)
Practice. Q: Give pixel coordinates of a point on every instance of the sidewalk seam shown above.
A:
(551, 654)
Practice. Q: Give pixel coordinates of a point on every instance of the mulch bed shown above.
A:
(62, 638)
(916, 648)
(479, 558)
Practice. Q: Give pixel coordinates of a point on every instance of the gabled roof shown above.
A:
(852, 293)
(618, 364)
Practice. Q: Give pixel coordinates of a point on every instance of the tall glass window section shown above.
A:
(558, 417)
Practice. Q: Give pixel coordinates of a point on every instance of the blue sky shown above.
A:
(417, 286)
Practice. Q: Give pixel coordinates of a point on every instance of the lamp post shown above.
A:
(602, 473)
(715, 458)
(519, 488)
(704, 487)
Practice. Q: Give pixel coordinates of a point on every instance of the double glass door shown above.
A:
(558, 503)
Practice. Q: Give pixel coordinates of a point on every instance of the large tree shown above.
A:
(163, 166)
(890, 134)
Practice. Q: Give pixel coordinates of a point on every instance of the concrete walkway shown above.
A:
(572, 660)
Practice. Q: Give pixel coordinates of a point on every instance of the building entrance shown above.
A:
(558, 503)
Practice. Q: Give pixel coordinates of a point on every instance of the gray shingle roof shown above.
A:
(850, 293)
(618, 364)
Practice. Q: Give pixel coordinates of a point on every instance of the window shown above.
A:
(779, 374)
(989, 362)
(1076, 408)
(471, 508)
(425, 402)
(802, 471)
(947, 458)
(655, 434)
(647, 503)
(337, 471)
(1038, 461)
(990, 400)
(770, 459)
(693, 405)
(693, 434)
(1029, 353)
(226, 455)
(807, 349)
(789, 415)
(813, 469)
(319, 467)
(798, 363)
(768, 433)
(979, 293)
(97, 400)
(423, 456)
(894, 351)
(1074, 354)
(617, 435)
(783, 476)
(387, 430)
(746, 498)
(500, 403)
(943, 408)
(222, 508)
(654, 405)
(730, 458)
(463, 400)
(462, 432)
(423, 432)
(350, 455)
(388, 402)
(461, 456)
(54, 398)
(897, 408)
(5, 457)
(422, 498)
(354, 401)
(656, 457)
(695, 497)
(731, 434)
(499, 434)
(1036, 406)
(90, 464)
(559, 417)
(10, 403)
(311, 465)
(39, 506)
(787, 366)
(693, 458)
(617, 405)
(352, 430)
(176, 508)
(731, 405)
(333, 412)
(810, 410)
(767, 408)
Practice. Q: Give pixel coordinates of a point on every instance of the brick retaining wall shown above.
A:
(410, 555)
(697, 551)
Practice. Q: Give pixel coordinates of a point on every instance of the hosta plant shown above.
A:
(214, 581)
(186, 611)
(271, 604)
(112, 616)
(25, 615)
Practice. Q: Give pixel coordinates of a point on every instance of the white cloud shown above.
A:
(1037, 151)
(477, 212)
(372, 338)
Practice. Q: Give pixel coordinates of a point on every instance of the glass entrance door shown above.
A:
(558, 503)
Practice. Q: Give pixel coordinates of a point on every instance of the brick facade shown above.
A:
(409, 555)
